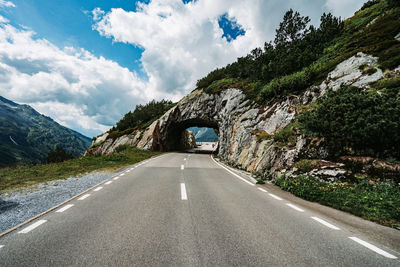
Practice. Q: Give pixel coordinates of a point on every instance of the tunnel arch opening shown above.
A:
(175, 134)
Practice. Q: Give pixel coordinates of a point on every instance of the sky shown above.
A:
(87, 63)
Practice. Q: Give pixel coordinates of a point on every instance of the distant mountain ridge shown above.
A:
(203, 134)
(26, 136)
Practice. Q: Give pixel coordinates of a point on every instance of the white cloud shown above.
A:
(3, 19)
(183, 43)
(74, 87)
(4, 3)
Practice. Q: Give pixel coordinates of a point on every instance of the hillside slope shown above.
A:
(27, 136)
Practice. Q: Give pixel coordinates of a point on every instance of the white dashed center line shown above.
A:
(116, 178)
(1, 246)
(184, 159)
(84, 196)
(263, 190)
(65, 208)
(109, 182)
(182, 167)
(98, 188)
(325, 223)
(122, 174)
(295, 207)
(373, 248)
(183, 192)
(275, 196)
(31, 227)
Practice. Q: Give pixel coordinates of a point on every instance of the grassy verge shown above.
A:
(12, 179)
(376, 202)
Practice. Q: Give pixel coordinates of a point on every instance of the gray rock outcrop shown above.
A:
(245, 129)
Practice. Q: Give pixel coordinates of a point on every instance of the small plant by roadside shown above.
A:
(379, 202)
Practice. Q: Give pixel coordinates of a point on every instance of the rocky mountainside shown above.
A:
(337, 118)
(27, 136)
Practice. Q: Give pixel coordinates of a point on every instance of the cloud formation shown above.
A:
(71, 85)
(4, 3)
(181, 42)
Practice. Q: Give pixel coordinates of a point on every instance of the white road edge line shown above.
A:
(373, 248)
(98, 188)
(122, 174)
(65, 208)
(294, 207)
(182, 167)
(325, 223)
(275, 196)
(84, 196)
(31, 227)
(231, 172)
(183, 192)
(263, 190)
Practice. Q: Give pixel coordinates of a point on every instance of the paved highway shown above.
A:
(186, 210)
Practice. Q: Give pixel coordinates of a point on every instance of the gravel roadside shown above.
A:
(20, 206)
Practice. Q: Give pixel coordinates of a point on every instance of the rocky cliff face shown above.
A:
(245, 129)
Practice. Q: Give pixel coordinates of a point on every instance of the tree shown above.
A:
(292, 28)
(58, 155)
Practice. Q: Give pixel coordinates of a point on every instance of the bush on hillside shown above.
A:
(142, 115)
(58, 155)
(368, 122)
(296, 46)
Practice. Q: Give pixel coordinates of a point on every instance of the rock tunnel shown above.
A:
(174, 139)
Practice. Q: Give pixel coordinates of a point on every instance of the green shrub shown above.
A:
(377, 202)
(387, 83)
(285, 85)
(122, 148)
(393, 3)
(369, 4)
(142, 115)
(286, 136)
(58, 155)
(219, 85)
(306, 165)
(366, 121)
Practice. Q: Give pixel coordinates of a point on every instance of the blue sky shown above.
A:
(85, 63)
(69, 23)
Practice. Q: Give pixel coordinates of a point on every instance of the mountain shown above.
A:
(204, 134)
(27, 136)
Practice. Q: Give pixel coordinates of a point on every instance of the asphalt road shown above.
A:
(186, 210)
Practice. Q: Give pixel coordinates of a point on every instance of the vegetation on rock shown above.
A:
(140, 118)
(303, 55)
(368, 122)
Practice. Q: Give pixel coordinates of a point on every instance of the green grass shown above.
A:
(287, 136)
(12, 179)
(378, 202)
